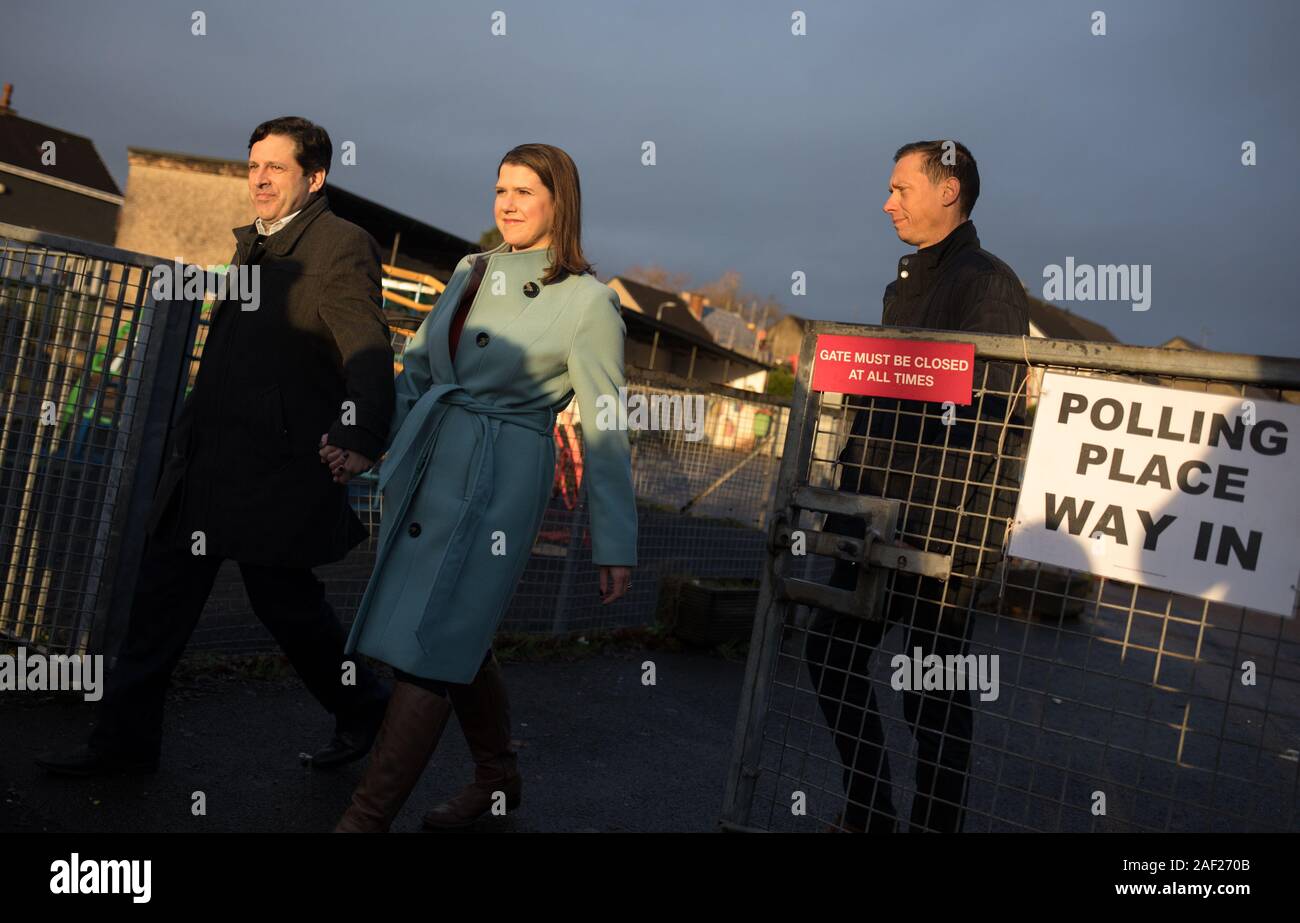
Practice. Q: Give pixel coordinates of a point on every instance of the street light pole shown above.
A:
(659, 316)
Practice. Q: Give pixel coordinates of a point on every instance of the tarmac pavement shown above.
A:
(599, 751)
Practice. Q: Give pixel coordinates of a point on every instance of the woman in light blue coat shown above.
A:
(518, 332)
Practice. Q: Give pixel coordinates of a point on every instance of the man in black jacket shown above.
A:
(310, 360)
(956, 483)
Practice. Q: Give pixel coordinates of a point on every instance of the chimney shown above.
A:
(695, 303)
(4, 100)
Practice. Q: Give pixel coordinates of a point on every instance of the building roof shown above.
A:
(1181, 343)
(178, 160)
(730, 329)
(75, 161)
(648, 299)
(434, 249)
(1059, 324)
(642, 327)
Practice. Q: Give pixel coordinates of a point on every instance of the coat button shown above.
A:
(413, 530)
(903, 274)
(482, 339)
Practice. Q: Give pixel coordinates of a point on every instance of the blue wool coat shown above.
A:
(471, 460)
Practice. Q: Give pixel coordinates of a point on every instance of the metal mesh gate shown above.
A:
(1112, 695)
(701, 507)
(92, 377)
(88, 372)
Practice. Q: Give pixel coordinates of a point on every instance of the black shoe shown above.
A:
(85, 761)
(352, 739)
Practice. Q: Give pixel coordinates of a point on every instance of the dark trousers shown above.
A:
(942, 721)
(170, 594)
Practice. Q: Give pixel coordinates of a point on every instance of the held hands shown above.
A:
(344, 465)
(614, 582)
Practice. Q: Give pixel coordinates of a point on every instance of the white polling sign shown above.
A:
(1177, 490)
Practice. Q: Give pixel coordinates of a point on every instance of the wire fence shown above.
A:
(84, 405)
(1117, 707)
(703, 486)
(77, 321)
(1121, 706)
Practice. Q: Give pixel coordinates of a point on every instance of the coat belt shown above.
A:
(407, 458)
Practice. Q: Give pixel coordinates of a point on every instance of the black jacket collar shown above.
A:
(932, 257)
(282, 241)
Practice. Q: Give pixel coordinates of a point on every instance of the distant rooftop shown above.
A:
(648, 299)
(1060, 324)
(1181, 343)
(23, 143)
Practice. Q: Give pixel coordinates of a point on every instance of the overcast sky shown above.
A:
(773, 150)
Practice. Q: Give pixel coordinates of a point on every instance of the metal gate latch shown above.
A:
(874, 555)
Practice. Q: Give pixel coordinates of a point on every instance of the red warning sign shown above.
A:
(912, 370)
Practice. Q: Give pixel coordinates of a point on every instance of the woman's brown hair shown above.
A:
(559, 175)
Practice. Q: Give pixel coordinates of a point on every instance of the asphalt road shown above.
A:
(1145, 710)
(599, 751)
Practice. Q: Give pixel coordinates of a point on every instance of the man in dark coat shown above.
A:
(956, 481)
(308, 358)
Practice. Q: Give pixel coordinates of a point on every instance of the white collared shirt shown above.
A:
(266, 230)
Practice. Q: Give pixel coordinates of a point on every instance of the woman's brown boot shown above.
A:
(412, 725)
(484, 713)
